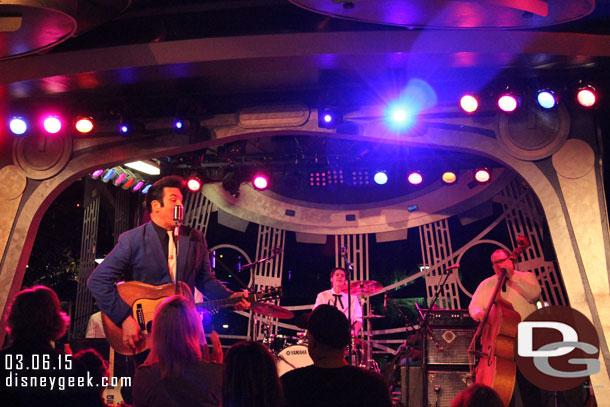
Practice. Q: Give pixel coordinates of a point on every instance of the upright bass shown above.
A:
(496, 336)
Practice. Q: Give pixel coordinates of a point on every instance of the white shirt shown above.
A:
(522, 291)
(95, 329)
(327, 297)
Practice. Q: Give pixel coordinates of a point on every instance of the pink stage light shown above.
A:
(97, 173)
(260, 182)
(508, 103)
(586, 97)
(482, 175)
(194, 184)
(52, 124)
(469, 103)
(119, 180)
(415, 178)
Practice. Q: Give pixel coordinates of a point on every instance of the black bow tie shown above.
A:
(338, 297)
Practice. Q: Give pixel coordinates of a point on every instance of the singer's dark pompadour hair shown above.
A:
(155, 193)
(329, 326)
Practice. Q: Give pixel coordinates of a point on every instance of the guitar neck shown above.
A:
(111, 362)
(217, 304)
(212, 305)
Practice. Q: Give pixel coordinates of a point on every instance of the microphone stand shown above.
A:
(178, 216)
(426, 330)
(349, 269)
(274, 252)
(408, 324)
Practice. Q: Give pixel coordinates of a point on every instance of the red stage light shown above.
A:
(469, 103)
(482, 175)
(84, 125)
(586, 96)
(129, 183)
(194, 184)
(415, 178)
(260, 182)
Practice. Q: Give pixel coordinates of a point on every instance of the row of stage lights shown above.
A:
(261, 181)
(399, 113)
(546, 99)
(327, 118)
(126, 179)
(324, 178)
(53, 124)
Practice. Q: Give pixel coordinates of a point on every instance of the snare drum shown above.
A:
(293, 357)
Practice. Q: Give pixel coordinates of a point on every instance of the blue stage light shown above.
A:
(380, 177)
(546, 99)
(18, 126)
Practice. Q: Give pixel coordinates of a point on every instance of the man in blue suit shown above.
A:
(141, 254)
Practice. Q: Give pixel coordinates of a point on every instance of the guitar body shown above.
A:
(143, 300)
(497, 369)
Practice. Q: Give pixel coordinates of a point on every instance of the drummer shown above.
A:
(338, 298)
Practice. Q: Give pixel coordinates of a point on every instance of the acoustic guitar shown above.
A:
(144, 299)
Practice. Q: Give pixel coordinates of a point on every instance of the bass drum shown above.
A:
(291, 358)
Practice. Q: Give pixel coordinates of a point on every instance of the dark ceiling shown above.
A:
(149, 59)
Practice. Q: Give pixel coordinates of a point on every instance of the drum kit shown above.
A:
(291, 351)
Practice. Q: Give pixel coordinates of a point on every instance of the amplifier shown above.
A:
(453, 318)
(452, 346)
(443, 386)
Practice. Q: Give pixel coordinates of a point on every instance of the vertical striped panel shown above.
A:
(524, 217)
(437, 255)
(269, 273)
(197, 210)
(84, 300)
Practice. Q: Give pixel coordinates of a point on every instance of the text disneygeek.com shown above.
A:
(27, 371)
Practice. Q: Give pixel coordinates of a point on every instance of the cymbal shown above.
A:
(272, 310)
(366, 287)
(373, 316)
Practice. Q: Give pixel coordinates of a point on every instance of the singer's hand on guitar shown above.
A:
(243, 303)
(131, 332)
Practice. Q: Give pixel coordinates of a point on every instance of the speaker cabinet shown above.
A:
(452, 346)
(443, 386)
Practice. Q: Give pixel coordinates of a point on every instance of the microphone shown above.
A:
(239, 264)
(455, 266)
(277, 250)
(343, 250)
(178, 214)
(385, 302)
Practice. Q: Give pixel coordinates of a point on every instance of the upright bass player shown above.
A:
(521, 290)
